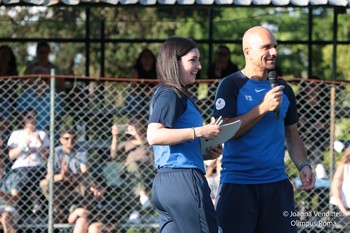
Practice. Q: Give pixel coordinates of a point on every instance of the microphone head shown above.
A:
(272, 75)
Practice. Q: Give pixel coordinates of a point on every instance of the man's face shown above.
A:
(43, 53)
(67, 141)
(98, 192)
(263, 50)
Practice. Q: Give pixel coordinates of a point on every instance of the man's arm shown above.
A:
(271, 101)
(297, 153)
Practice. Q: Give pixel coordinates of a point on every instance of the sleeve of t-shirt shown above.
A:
(45, 139)
(226, 99)
(166, 108)
(84, 157)
(13, 140)
(292, 113)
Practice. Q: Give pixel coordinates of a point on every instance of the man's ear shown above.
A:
(246, 52)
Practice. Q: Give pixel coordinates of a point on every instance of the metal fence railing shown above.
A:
(107, 177)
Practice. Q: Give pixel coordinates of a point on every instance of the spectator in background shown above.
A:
(137, 100)
(97, 212)
(7, 202)
(70, 173)
(42, 64)
(8, 64)
(137, 159)
(340, 189)
(28, 147)
(145, 66)
(8, 87)
(212, 173)
(222, 66)
(314, 111)
(37, 96)
(8, 213)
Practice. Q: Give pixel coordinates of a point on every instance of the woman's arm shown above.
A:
(336, 187)
(158, 134)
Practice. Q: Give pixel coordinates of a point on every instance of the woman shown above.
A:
(145, 66)
(136, 156)
(341, 184)
(180, 192)
(340, 188)
(8, 65)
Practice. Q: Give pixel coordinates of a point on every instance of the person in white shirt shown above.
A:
(27, 149)
(340, 189)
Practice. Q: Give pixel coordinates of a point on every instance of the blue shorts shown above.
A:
(22, 177)
(256, 208)
(182, 199)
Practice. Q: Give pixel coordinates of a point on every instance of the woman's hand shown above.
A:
(115, 130)
(211, 130)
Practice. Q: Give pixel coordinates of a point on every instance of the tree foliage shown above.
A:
(62, 24)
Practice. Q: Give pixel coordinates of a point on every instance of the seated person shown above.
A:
(145, 66)
(43, 65)
(137, 159)
(97, 211)
(70, 173)
(8, 213)
(27, 148)
(212, 174)
(222, 66)
(7, 202)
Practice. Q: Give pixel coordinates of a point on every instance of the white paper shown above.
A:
(227, 132)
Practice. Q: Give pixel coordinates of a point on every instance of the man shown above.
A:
(255, 193)
(70, 172)
(43, 65)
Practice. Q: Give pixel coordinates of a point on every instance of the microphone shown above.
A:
(272, 75)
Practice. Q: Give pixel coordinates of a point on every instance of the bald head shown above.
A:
(255, 36)
(260, 49)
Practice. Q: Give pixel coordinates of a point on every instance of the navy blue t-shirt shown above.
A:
(176, 112)
(256, 157)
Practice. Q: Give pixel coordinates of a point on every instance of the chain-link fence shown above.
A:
(102, 166)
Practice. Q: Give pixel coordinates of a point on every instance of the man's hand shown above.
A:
(273, 98)
(213, 153)
(307, 178)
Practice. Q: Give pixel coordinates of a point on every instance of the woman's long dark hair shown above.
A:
(12, 65)
(168, 62)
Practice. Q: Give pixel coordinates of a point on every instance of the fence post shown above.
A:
(332, 139)
(52, 147)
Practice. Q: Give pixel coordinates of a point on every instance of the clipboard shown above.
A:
(227, 132)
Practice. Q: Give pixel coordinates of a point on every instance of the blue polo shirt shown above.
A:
(176, 112)
(257, 157)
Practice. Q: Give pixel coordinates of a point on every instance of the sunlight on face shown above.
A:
(189, 66)
(264, 50)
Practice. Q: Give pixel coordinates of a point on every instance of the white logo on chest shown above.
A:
(248, 97)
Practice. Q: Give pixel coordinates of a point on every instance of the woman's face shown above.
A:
(147, 60)
(189, 66)
(5, 55)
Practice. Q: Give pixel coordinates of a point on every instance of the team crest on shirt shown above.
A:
(220, 104)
